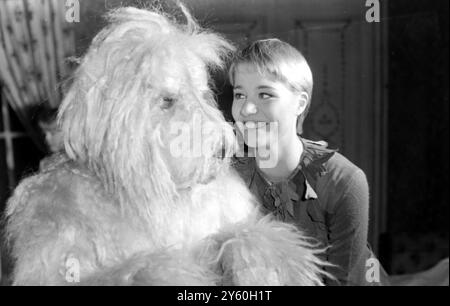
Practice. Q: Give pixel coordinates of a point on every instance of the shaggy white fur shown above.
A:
(120, 204)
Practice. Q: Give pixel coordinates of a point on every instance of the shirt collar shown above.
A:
(311, 165)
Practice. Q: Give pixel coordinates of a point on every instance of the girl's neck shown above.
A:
(286, 157)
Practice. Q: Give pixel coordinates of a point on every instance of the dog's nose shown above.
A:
(249, 108)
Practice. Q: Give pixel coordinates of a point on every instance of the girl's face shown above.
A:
(265, 109)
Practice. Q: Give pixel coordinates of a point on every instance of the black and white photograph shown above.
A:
(192, 143)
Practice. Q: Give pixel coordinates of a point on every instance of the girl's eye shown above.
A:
(167, 102)
(265, 96)
(239, 96)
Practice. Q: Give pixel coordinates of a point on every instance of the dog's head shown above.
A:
(140, 105)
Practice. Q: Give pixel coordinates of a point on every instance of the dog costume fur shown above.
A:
(119, 205)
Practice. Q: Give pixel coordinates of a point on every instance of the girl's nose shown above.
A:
(249, 108)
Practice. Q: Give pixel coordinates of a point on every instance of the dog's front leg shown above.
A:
(161, 268)
(266, 252)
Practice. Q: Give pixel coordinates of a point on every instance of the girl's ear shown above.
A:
(302, 102)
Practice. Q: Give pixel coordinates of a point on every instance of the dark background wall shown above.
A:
(418, 212)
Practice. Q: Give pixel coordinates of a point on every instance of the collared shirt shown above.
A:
(326, 197)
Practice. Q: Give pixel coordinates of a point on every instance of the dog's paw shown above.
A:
(257, 276)
(162, 268)
(270, 253)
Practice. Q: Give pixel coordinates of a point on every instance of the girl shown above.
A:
(299, 181)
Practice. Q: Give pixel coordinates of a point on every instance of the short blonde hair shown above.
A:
(280, 60)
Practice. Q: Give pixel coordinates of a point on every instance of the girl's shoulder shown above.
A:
(333, 176)
(330, 173)
(316, 158)
(319, 160)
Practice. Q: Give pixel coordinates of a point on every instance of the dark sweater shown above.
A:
(327, 197)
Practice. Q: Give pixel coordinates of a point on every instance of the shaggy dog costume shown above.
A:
(118, 207)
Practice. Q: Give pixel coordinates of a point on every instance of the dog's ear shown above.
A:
(212, 48)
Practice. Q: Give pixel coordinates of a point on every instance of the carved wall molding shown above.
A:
(349, 104)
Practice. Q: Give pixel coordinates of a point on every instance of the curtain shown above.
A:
(35, 42)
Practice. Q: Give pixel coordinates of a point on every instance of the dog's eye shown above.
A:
(167, 102)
